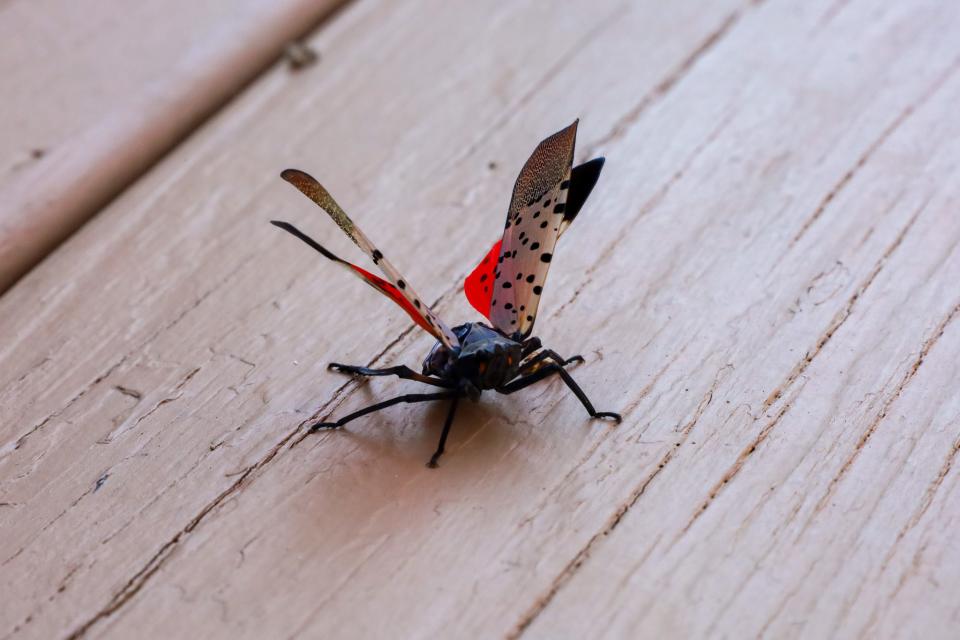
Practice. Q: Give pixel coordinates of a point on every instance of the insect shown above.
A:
(505, 287)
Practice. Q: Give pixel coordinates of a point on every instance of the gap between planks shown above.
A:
(98, 164)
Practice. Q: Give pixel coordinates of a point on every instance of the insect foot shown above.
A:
(616, 417)
(320, 426)
(577, 359)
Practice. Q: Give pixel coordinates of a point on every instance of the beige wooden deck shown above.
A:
(765, 283)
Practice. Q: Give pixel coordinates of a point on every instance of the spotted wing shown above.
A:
(395, 286)
(506, 286)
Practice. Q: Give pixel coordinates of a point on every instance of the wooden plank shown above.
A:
(762, 283)
(95, 92)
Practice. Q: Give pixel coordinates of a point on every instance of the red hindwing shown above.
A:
(478, 287)
(391, 291)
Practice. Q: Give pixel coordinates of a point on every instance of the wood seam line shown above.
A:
(882, 414)
(928, 495)
(913, 522)
(861, 161)
(132, 586)
(836, 323)
(662, 88)
(42, 213)
(20, 440)
(616, 517)
(510, 111)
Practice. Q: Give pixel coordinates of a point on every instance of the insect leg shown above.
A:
(410, 397)
(525, 381)
(401, 371)
(530, 365)
(577, 391)
(443, 435)
(529, 346)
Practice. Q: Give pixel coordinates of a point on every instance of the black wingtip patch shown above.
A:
(583, 178)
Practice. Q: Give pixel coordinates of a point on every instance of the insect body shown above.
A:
(505, 287)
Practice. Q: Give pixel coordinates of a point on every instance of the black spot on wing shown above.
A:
(546, 257)
(377, 256)
(537, 290)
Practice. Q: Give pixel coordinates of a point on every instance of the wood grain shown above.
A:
(763, 283)
(95, 92)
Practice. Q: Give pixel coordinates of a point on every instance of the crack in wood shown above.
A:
(568, 572)
(838, 320)
(843, 314)
(9, 448)
(132, 586)
(882, 414)
(739, 463)
(562, 61)
(177, 393)
(662, 88)
(928, 497)
(872, 148)
(651, 203)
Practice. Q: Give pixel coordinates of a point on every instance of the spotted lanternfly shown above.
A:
(505, 287)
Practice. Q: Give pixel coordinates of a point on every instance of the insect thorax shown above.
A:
(486, 358)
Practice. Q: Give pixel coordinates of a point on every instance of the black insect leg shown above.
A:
(443, 435)
(529, 365)
(401, 371)
(550, 369)
(525, 381)
(577, 391)
(410, 397)
(529, 346)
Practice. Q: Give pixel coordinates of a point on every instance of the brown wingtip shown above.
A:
(293, 175)
(571, 129)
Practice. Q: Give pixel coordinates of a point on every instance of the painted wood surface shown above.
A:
(95, 92)
(764, 283)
